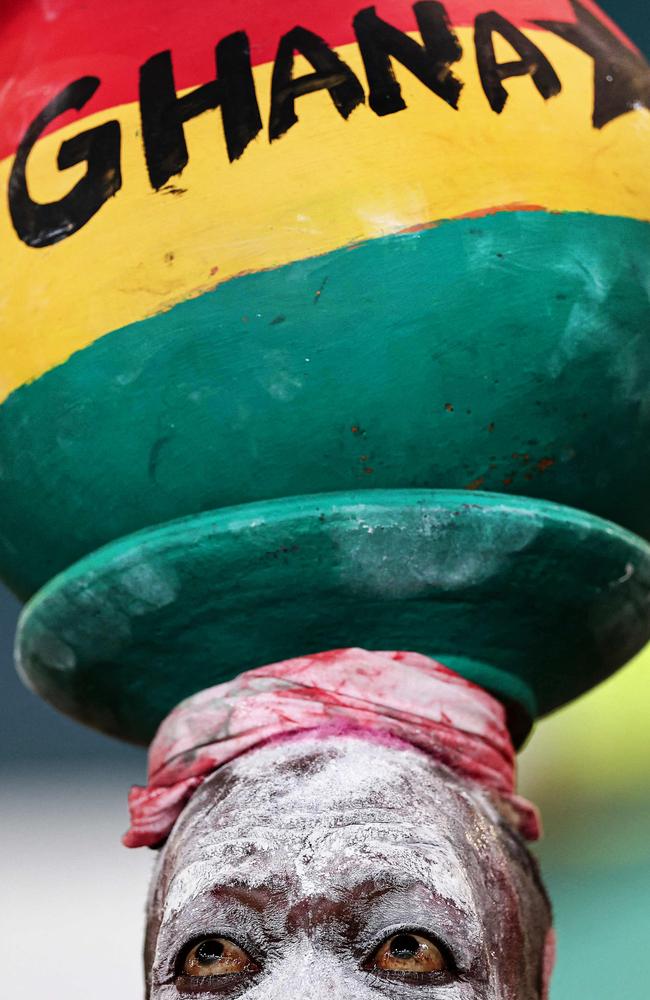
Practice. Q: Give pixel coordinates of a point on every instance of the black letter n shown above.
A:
(430, 62)
(163, 113)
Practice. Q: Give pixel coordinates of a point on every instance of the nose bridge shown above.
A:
(310, 971)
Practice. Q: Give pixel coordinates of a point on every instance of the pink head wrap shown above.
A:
(397, 694)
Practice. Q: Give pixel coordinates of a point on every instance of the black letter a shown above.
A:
(533, 62)
(331, 74)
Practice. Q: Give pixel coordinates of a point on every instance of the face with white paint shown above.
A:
(336, 867)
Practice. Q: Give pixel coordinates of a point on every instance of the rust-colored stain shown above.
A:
(514, 206)
(545, 463)
(213, 270)
(507, 481)
(449, 408)
(368, 470)
(357, 429)
(476, 483)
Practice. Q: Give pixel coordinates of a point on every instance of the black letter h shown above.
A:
(163, 113)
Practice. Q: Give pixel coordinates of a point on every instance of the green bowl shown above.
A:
(421, 278)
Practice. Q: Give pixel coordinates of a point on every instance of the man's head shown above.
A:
(338, 867)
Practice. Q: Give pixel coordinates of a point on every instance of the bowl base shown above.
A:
(533, 601)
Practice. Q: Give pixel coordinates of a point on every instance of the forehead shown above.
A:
(314, 849)
(325, 816)
(324, 776)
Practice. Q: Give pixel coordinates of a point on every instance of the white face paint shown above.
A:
(311, 852)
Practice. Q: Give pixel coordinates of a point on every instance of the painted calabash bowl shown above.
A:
(269, 251)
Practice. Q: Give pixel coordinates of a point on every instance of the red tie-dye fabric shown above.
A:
(400, 695)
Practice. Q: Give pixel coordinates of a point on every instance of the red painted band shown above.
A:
(44, 47)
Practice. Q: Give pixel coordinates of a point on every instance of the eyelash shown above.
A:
(377, 977)
(208, 986)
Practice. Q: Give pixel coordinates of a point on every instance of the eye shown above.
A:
(215, 956)
(409, 952)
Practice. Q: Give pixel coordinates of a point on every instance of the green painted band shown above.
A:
(508, 353)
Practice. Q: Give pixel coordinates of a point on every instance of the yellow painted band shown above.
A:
(325, 184)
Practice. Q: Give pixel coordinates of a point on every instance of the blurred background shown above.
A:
(71, 918)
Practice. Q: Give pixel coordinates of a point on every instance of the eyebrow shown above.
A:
(184, 889)
(427, 876)
(372, 893)
(406, 886)
(178, 897)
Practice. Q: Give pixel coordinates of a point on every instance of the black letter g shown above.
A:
(40, 225)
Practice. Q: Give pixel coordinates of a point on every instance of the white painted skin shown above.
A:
(312, 851)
